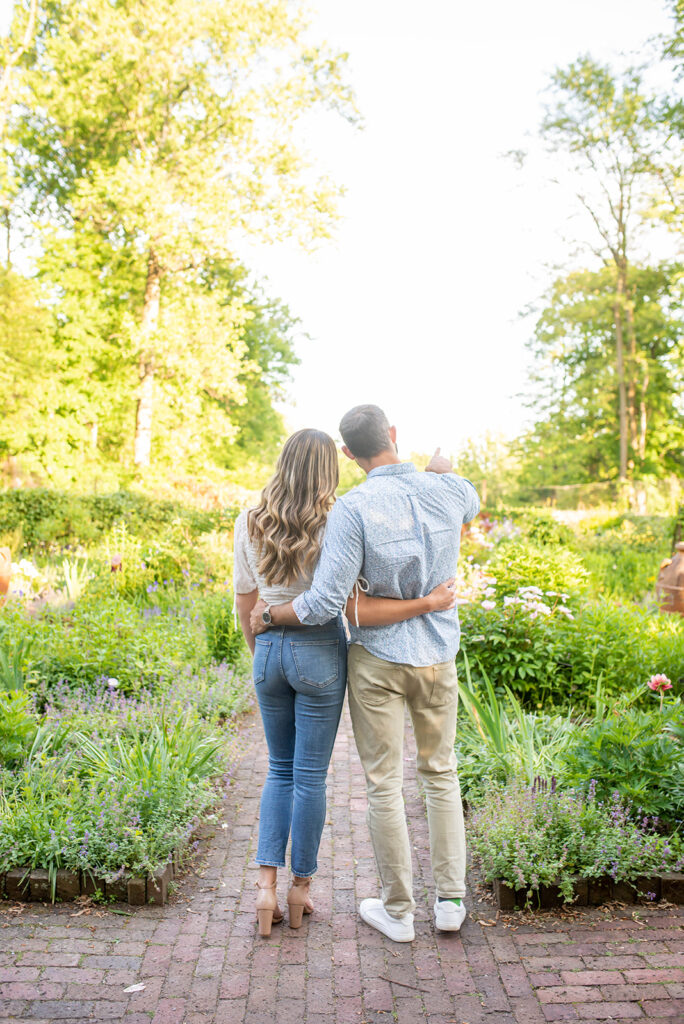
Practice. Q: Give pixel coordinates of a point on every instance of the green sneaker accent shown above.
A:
(448, 899)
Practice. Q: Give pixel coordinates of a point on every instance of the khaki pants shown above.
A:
(378, 692)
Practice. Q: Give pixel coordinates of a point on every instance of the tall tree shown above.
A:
(609, 128)
(170, 130)
(269, 336)
(575, 378)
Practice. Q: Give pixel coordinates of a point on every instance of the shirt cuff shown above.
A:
(300, 607)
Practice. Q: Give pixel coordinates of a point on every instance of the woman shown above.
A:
(299, 673)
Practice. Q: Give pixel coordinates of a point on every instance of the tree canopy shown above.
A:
(142, 143)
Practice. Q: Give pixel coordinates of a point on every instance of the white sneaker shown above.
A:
(449, 916)
(400, 929)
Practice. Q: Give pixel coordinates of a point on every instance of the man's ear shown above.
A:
(348, 453)
(393, 434)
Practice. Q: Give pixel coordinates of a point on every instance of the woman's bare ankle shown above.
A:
(267, 876)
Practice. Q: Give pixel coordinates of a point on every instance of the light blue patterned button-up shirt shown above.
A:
(401, 531)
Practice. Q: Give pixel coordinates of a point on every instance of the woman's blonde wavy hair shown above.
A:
(286, 524)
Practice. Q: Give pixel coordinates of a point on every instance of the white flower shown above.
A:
(488, 605)
(538, 608)
(508, 601)
(112, 683)
(490, 591)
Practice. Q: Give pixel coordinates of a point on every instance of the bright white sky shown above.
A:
(415, 305)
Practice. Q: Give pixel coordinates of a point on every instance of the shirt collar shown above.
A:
(394, 469)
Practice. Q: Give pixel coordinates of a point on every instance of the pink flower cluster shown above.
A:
(659, 683)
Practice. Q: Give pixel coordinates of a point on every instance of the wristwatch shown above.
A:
(266, 616)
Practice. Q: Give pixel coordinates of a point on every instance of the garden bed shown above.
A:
(120, 699)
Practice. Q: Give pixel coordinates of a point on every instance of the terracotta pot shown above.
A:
(5, 569)
(670, 582)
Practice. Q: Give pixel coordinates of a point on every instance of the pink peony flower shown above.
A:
(659, 683)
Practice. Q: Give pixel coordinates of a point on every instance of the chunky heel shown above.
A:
(265, 918)
(296, 914)
(298, 902)
(267, 910)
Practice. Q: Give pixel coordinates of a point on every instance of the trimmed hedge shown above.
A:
(43, 517)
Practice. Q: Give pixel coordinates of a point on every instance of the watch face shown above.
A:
(266, 618)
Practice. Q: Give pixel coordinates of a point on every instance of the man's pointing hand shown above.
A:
(439, 463)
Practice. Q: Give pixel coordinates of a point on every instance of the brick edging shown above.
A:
(594, 891)
(32, 885)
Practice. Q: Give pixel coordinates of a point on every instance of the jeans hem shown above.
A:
(269, 863)
(304, 874)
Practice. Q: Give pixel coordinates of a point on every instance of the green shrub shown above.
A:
(552, 659)
(108, 638)
(631, 751)
(623, 554)
(534, 837)
(513, 648)
(628, 574)
(542, 529)
(225, 641)
(18, 726)
(52, 519)
(519, 563)
(624, 644)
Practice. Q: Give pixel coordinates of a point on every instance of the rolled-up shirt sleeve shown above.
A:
(467, 495)
(337, 571)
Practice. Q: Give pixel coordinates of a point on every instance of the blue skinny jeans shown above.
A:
(300, 676)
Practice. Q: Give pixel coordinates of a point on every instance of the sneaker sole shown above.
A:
(374, 924)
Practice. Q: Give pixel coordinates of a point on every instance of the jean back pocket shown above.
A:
(316, 661)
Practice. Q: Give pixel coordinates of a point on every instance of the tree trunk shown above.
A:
(643, 417)
(145, 408)
(634, 423)
(620, 366)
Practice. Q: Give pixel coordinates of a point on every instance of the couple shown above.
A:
(303, 559)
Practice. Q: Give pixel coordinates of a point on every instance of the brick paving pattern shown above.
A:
(201, 961)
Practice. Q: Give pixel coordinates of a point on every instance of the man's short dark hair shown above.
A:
(365, 431)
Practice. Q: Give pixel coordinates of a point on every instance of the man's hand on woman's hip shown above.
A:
(256, 621)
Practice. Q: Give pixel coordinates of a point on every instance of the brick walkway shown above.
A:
(202, 963)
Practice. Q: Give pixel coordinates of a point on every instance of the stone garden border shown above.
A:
(594, 891)
(33, 885)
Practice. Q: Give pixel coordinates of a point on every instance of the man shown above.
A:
(400, 531)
